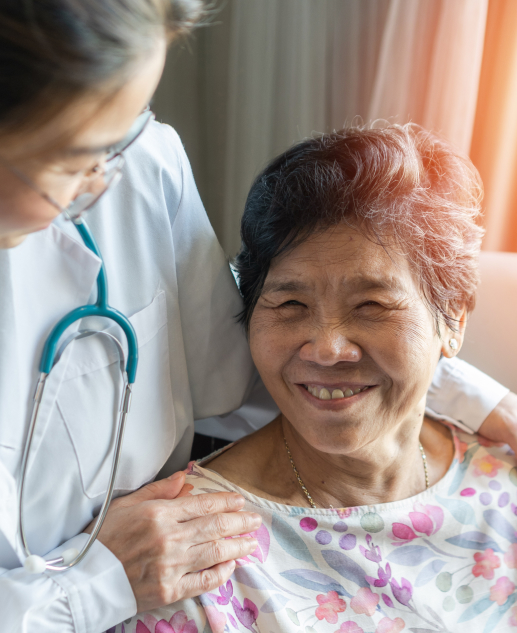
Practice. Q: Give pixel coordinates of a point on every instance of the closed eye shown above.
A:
(369, 303)
(291, 302)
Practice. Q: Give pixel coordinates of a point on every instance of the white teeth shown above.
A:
(324, 394)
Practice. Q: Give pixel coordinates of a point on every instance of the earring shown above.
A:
(453, 344)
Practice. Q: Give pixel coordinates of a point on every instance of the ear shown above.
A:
(452, 341)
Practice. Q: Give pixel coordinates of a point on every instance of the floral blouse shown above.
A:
(442, 561)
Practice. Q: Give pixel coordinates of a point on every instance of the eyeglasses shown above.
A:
(98, 179)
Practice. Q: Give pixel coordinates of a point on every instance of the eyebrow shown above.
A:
(283, 286)
(361, 283)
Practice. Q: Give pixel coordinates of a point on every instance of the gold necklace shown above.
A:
(307, 493)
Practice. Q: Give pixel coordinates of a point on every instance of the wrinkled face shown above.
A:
(93, 123)
(344, 342)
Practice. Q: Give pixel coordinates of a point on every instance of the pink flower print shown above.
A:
(513, 617)
(216, 619)
(387, 625)
(486, 562)
(501, 590)
(383, 577)
(262, 550)
(226, 593)
(343, 513)
(461, 449)
(247, 614)
(510, 558)
(426, 519)
(388, 601)
(433, 513)
(487, 465)
(402, 592)
(349, 627)
(365, 601)
(373, 552)
(402, 532)
(150, 621)
(141, 628)
(179, 623)
(329, 606)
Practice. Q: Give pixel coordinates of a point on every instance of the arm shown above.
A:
(220, 369)
(463, 393)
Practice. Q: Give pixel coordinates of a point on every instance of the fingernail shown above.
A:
(253, 543)
(176, 476)
(238, 499)
(256, 519)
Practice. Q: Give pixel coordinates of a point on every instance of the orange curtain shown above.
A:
(494, 139)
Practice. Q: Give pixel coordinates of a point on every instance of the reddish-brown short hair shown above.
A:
(398, 184)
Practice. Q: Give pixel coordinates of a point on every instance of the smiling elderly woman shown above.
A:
(358, 269)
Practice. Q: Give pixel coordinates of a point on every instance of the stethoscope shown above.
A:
(52, 352)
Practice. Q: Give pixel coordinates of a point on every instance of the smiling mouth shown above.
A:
(322, 393)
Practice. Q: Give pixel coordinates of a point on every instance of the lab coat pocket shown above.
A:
(89, 400)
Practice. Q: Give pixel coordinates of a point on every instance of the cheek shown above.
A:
(409, 348)
(22, 209)
(272, 348)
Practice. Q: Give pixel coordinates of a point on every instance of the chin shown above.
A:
(11, 241)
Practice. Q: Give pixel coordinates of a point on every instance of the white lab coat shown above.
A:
(168, 273)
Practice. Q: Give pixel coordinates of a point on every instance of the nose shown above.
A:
(330, 345)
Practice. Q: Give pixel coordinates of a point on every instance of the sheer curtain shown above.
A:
(494, 143)
(271, 72)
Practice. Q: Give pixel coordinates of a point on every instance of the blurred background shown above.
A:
(267, 73)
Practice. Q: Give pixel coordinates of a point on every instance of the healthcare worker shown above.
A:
(74, 77)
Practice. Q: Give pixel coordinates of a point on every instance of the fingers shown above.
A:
(210, 554)
(221, 526)
(193, 507)
(163, 489)
(195, 584)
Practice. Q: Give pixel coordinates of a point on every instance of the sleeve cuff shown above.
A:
(461, 392)
(97, 589)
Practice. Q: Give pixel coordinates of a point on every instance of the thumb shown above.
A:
(168, 488)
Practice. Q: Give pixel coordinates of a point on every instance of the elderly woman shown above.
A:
(358, 270)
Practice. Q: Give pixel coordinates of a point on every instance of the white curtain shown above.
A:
(268, 73)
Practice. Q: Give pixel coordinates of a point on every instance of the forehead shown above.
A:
(342, 255)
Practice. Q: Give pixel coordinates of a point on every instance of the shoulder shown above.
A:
(201, 480)
(156, 170)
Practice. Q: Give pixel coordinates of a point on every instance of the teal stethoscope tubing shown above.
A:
(99, 309)
(34, 563)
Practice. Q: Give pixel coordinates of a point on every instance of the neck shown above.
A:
(387, 469)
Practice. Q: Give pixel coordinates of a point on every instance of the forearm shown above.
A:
(501, 423)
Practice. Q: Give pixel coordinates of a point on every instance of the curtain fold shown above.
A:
(272, 72)
(494, 142)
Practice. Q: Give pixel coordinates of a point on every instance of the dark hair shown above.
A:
(395, 184)
(52, 51)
